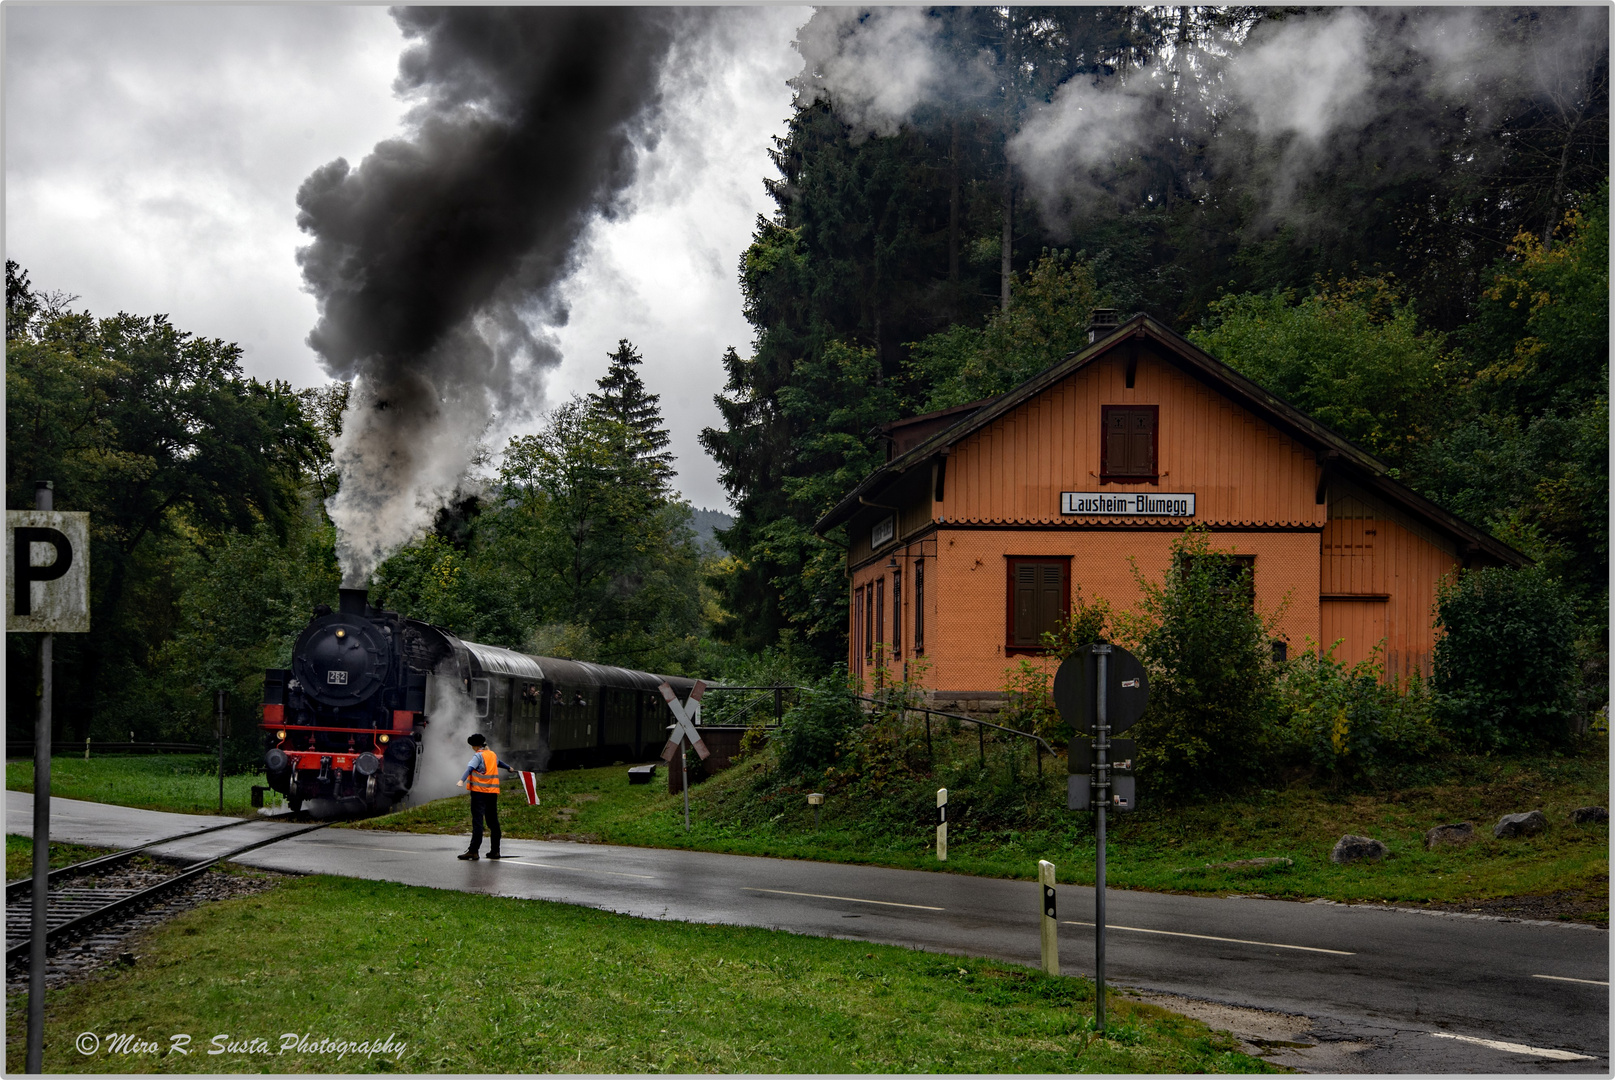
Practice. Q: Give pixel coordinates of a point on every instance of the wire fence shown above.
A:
(770, 711)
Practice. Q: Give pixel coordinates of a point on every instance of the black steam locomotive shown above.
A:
(349, 721)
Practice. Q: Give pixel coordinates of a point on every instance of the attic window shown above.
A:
(1129, 442)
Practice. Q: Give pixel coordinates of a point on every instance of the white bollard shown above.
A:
(1051, 937)
(942, 824)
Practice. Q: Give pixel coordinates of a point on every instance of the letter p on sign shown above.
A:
(48, 571)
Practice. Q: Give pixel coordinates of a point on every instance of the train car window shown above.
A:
(480, 691)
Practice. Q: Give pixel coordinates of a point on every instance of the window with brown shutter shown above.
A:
(1128, 450)
(897, 613)
(869, 622)
(858, 627)
(1233, 575)
(919, 608)
(1039, 590)
(880, 616)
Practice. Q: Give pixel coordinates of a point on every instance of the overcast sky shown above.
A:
(153, 156)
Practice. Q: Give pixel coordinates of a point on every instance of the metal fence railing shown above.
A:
(110, 746)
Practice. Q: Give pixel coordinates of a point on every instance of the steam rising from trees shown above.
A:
(1307, 91)
(436, 262)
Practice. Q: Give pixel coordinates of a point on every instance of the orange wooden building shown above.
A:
(985, 519)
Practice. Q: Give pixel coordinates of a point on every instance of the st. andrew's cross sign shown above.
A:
(686, 714)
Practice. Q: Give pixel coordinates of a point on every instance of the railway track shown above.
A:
(77, 911)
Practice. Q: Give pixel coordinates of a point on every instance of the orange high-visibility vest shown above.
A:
(486, 782)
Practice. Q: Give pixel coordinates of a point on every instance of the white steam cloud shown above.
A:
(876, 64)
(1309, 89)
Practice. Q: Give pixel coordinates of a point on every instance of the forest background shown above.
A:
(1432, 282)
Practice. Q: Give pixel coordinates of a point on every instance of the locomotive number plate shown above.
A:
(336, 678)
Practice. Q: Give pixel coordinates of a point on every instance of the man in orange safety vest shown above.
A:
(482, 777)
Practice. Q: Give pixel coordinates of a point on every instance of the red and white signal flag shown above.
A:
(530, 787)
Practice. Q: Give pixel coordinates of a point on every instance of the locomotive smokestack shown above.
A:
(353, 601)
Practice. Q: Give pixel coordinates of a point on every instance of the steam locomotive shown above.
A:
(350, 720)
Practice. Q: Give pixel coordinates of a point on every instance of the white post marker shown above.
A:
(942, 824)
(1051, 925)
(686, 714)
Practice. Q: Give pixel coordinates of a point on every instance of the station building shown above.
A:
(986, 519)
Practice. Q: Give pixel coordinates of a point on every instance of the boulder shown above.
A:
(1510, 826)
(1455, 835)
(1581, 815)
(1349, 849)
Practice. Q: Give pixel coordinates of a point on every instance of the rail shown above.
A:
(18, 954)
(16, 890)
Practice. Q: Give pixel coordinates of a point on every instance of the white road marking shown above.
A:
(1566, 978)
(579, 869)
(1209, 937)
(848, 899)
(1515, 1048)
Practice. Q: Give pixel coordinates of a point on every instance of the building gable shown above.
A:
(1250, 430)
(1130, 422)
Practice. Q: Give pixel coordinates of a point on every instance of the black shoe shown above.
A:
(494, 855)
(467, 856)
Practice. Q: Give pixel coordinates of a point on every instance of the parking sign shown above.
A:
(48, 571)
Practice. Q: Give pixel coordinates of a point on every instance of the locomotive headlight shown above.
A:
(280, 734)
(384, 739)
(341, 633)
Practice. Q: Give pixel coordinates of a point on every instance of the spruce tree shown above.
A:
(622, 397)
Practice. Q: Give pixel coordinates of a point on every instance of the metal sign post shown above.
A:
(53, 597)
(219, 702)
(1100, 690)
(1102, 797)
(686, 714)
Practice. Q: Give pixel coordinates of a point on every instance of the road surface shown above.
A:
(1383, 989)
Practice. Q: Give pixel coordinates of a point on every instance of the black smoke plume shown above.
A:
(436, 263)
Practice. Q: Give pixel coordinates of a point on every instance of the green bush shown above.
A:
(1209, 660)
(1345, 720)
(1505, 660)
(813, 732)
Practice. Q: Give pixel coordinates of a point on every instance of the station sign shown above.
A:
(883, 532)
(1127, 504)
(48, 571)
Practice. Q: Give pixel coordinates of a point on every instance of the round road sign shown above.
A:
(1076, 689)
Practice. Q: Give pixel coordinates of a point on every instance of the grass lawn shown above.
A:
(1157, 849)
(180, 783)
(20, 855)
(472, 984)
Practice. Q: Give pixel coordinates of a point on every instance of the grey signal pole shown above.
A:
(1102, 797)
(41, 888)
(219, 699)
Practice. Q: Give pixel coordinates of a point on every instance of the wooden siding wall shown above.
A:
(911, 494)
(1241, 469)
(1357, 569)
(965, 634)
(1392, 563)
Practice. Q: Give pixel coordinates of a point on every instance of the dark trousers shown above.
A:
(484, 806)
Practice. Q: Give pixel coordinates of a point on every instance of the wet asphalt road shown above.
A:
(1393, 985)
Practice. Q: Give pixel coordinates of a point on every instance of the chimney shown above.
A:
(1102, 322)
(353, 601)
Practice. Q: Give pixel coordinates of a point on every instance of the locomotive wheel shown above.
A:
(295, 802)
